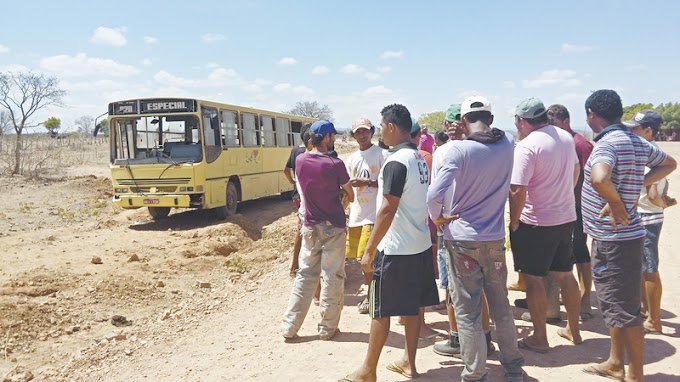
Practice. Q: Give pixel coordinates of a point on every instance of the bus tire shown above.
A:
(159, 212)
(232, 203)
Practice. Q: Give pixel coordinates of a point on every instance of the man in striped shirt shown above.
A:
(614, 176)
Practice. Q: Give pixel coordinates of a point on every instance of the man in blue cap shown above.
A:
(321, 177)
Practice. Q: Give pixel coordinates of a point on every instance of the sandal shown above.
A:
(364, 306)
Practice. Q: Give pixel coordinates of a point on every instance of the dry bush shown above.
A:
(42, 156)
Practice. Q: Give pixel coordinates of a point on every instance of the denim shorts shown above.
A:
(442, 256)
(650, 261)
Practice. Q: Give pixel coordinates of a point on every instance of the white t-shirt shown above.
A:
(646, 206)
(364, 164)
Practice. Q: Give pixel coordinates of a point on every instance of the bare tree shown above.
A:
(311, 109)
(85, 125)
(5, 123)
(22, 95)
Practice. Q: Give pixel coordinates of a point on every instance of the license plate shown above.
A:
(151, 201)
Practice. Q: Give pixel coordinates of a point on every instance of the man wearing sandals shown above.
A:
(541, 225)
(614, 176)
(363, 167)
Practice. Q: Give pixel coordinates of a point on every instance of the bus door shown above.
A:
(216, 181)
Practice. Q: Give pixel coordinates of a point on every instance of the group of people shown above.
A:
(410, 210)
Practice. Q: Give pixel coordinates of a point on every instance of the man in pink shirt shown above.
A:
(542, 215)
(426, 142)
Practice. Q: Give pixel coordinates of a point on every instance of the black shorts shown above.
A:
(402, 284)
(537, 250)
(581, 253)
(617, 267)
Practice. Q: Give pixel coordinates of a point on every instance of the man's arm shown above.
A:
(437, 190)
(288, 172)
(518, 196)
(660, 171)
(383, 220)
(349, 190)
(600, 178)
(577, 172)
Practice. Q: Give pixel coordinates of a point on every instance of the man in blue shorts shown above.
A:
(403, 276)
(614, 176)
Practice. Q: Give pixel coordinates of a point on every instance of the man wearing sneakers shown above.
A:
(403, 276)
(323, 235)
(363, 167)
(471, 208)
(542, 215)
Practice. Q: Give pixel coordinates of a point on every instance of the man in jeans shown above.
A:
(471, 210)
(323, 235)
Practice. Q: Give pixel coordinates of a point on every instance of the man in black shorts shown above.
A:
(403, 276)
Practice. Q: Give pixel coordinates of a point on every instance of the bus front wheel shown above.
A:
(159, 212)
(232, 203)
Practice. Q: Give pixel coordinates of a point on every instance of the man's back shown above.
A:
(320, 177)
(544, 163)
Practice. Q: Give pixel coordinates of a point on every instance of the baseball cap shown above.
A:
(323, 127)
(530, 108)
(361, 123)
(645, 118)
(414, 125)
(452, 112)
(475, 103)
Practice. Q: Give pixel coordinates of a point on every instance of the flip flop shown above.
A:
(652, 331)
(397, 369)
(434, 337)
(598, 371)
(525, 345)
(346, 379)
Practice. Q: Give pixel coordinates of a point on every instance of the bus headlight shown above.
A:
(120, 190)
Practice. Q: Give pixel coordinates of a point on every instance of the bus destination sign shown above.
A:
(167, 105)
(125, 107)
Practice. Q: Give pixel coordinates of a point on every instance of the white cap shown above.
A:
(475, 103)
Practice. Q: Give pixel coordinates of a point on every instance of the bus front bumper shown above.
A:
(137, 201)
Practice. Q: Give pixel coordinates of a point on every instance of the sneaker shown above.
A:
(328, 335)
(363, 306)
(490, 347)
(449, 348)
(526, 316)
(522, 303)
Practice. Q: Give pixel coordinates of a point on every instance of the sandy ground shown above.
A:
(203, 298)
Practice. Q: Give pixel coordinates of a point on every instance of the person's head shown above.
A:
(382, 145)
(646, 124)
(416, 131)
(476, 114)
(395, 124)
(603, 108)
(530, 115)
(323, 133)
(307, 140)
(423, 129)
(452, 122)
(440, 137)
(303, 130)
(362, 131)
(558, 116)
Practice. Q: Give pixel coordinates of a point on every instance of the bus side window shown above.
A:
(251, 135)
(230, 130)
(282, 132)
(268, 131)
(296, 126)
(211, 134)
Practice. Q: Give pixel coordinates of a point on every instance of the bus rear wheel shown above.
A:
(232, 203)
(159, 212)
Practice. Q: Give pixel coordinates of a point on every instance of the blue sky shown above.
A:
(355, 56)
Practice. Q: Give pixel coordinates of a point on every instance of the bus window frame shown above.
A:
(237, 127)
(265, 141)
(285, 133)
(245, 130)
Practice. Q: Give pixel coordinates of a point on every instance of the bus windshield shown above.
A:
(156, 139)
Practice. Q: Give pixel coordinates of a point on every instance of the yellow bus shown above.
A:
(188, 153)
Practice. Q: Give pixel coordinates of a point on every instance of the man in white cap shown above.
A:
(363, 167)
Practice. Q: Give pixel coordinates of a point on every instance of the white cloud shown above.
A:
(351, 69)
(150, 40)
(508, 84)
(571, 48)
(14, 68)
(288, 88)
(212, 65)
(288, 61)
(373, 76)
(3, 49)
(384, 69)
(320, 69)
(377, 90)
(147, 61)
(81, 65)
(555, 77)
(109, 36)
(212, 37)
(392, 54)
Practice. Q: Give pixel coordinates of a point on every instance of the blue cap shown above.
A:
(323, 127)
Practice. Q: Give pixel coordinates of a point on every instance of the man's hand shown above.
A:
(441, 220)
(344, 199)
(359, 182)
(367, 260)
(514, 226)
(617, 214)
